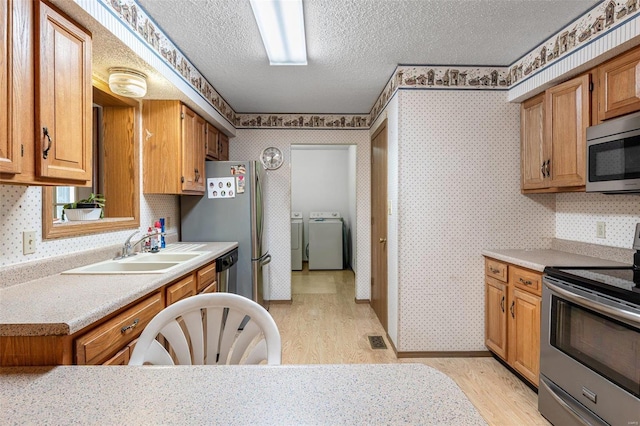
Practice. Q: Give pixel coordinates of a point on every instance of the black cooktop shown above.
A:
(619, 282)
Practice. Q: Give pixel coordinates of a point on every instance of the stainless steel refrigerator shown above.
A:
(232, 209)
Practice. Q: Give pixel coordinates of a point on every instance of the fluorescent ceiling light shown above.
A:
(281, 24)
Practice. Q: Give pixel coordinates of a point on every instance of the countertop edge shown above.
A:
(76, 323)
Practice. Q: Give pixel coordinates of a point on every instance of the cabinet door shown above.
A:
(193, 141)
(566, 121)
(496, 317)
(619, 86)
(524, 334)
(212, 142)
(532, 143)
(223, 147)
(121, 358)
(63, 97)
(9, 144)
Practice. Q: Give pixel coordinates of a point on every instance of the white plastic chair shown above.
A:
(205, 329)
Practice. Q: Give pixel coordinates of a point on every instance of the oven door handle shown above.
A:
(620, 314)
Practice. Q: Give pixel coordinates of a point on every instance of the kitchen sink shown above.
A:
(166, 257)
(144, 263)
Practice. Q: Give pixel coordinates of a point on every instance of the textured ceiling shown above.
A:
(353, 45)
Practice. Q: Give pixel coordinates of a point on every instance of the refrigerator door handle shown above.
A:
(265, 260)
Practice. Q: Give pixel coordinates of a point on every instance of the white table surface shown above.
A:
(279, 395)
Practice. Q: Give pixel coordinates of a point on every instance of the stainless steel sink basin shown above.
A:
(145, 263)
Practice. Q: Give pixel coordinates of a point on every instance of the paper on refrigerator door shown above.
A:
(221, 187)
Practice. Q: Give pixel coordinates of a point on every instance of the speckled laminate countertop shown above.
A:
(539, 259)
(265, 395)
(63, 304)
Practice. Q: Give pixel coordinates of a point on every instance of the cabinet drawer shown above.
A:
(179, 290)
(105, 340)
(206, 275)
(496, 269)
(526, 280)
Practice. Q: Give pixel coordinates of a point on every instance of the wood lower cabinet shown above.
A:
(174, 149)
(182, 289)
(205, 277)
(105, 340)
(108, 341)
(512, 316)
(45, 96)
(495, 329)
(619, 85)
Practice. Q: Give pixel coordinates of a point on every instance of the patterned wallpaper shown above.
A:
(458, 193)
(577, 214)
(21, 210)
(250, 143)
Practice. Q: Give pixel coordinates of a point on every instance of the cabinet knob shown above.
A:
(383, 240)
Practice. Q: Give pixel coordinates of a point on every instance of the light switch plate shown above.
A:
(601, 230)
(28, 242)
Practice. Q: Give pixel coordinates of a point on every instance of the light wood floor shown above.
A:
(324, 325)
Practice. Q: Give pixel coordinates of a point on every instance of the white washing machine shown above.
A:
(325, 240)
(297, 229)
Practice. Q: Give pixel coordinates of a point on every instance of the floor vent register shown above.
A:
(377, 342)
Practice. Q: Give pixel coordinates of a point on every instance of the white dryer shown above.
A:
(297, 229)
(325, 240)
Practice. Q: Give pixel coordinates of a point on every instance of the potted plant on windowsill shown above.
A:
(90, 208)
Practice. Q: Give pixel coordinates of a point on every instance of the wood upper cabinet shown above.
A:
(619, 85)
(45, 81)
(512, 316)
(173, 150)
(553, 137)
(9, 145)
(193, 151)
(223, 147)
(568, 115)
(532, 143)
(211, 146)
(63, 97)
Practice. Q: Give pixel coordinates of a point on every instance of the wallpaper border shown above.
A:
(597, 21)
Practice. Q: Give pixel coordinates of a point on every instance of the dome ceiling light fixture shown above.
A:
(127, 82)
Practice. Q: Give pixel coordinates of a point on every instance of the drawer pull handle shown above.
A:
(502, 304)
(513, 315)
(130, 326)
(493, 270)
(527, 282)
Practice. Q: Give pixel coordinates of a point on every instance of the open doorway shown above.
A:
(323, 180)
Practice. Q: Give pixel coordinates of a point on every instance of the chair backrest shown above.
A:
(214, 328)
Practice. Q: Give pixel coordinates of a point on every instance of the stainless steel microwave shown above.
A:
(613, 156)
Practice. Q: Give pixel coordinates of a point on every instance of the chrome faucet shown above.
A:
(128, 246)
